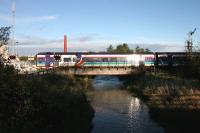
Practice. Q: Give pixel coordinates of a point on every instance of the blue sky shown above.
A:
(91, 25)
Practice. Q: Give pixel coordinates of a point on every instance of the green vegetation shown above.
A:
(139, 50)
(124, 48)
(4, 35)
(192, 67)
(23, 58)
(45, 104)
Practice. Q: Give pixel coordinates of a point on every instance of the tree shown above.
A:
(147, 51)
(110, 48)
(4, 35)
(139, 50)
(123, 48)
(23, 58)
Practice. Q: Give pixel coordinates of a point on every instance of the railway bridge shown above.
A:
(95, 70)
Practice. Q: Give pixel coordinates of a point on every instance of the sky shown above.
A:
(92, 25)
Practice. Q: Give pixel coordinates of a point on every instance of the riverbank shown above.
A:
(174, 101)
(164, 91)
(45, 104)
(176, 121)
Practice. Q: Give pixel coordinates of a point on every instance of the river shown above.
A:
(117, 111)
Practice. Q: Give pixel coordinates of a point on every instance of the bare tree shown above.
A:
(4, 37)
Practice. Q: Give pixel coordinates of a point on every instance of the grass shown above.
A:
(166, 91)
(46, 104)
(174, 101)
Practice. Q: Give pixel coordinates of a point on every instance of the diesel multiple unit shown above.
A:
(72, 59)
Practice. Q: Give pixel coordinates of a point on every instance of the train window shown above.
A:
(67, 59)
(122, 59)
(87, 59)
(41, 60)
(74, 59)
(97, 60)
(149, 59)
(104, 59)
(179, 59)
(162, 58)
(57, 57)
(113, 59)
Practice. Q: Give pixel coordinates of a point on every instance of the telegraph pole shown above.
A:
(189, 42)
(13, 26)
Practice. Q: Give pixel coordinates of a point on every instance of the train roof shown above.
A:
(106, 53)
(176, 53)
(83, 53)
(170, 53)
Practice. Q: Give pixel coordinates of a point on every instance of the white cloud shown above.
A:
(161, 47)
(85, 38)
(36, 18)
(32, 45)
(31, 19)
(81, 43)
(5, 18)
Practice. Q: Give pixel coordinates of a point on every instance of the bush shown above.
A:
(46, 104)
(166, 91)
(192, 67)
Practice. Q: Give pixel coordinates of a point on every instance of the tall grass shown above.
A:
(44, 104)
(166, 91)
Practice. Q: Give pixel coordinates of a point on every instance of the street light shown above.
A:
(16, 43)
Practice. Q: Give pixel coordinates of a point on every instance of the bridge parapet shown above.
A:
(96, 71)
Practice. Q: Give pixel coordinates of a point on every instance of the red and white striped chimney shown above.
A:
(65, 44)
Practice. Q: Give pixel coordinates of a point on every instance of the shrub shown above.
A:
(50, 103)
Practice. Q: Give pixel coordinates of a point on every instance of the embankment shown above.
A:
(45, 104)
(174, 101)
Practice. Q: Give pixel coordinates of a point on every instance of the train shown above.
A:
(102, 59)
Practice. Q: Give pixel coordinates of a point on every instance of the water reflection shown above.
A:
(117, 111)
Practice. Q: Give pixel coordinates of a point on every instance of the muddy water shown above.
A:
(117, 111)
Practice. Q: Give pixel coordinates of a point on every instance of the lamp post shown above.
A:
(16, 43)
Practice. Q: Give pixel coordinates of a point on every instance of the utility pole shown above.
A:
(13, 26)
(189, 42)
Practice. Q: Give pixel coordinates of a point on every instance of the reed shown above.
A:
(166, 91)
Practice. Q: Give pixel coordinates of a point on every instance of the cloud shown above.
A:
(29, 41)
(161, 47)
(28, 19)
(85, 38)
(5, 18)
(36, 18)
(32, 45)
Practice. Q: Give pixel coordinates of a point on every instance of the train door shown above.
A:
(48, 61)
(170, 61)
(57, 59)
